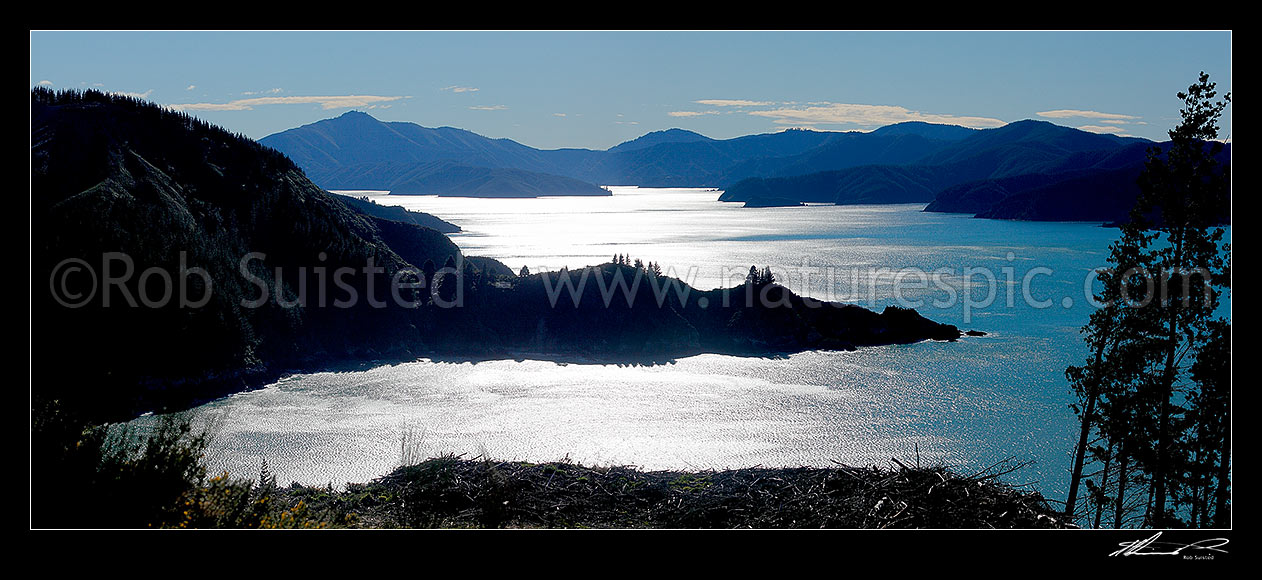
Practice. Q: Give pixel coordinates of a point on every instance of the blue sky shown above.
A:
(596, 89)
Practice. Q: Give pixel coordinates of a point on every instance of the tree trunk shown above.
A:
(1080, 453)
(1118, 509)
(1163, 442)
(1222, 515)
(1104, 482)
(1088, 414)
(1152, 492)
(1167, 391)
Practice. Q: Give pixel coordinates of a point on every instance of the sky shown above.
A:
(595, 89)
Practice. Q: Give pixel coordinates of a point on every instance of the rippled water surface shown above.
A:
(969, 403)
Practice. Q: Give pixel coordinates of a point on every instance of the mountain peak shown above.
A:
(672, 135)
(353, 115)
(1039, 129)
(927, 130)
(1030, 123)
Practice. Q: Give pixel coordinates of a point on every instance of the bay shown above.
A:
(969, 404)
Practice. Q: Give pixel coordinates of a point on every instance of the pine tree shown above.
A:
(1160, 295)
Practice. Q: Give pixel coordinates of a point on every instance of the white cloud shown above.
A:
(626, 122)
(143, 95)
(489, 108)
(868, 116)
(691, 113)
(1107, 123)
(558, 114)
(733, 103)
(190, 87)
(1078, 114)
(45, 83)
(275, 91)
(457, 89)
(327, 102)
(1107, 129)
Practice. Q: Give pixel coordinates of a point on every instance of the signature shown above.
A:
(1151, 547)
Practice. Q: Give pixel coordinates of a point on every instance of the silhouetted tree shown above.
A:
(446, 281)
(428, 268)
(1167, 271)
(1209, 409)
(761, 277)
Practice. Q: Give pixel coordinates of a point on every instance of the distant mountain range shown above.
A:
(1031, 170)
(1018, 150)
(357, 151)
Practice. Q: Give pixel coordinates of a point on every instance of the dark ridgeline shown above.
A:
(1103, 187)
(115, 174)
(397, 213)
(1026, 170)
(356, 151)
(1019, 148)
(449, 179)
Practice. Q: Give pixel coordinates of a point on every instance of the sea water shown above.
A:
(1001, 398)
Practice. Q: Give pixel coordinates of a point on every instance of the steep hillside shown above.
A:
(121, 187)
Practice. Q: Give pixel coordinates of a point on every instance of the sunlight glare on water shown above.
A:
(969, 403)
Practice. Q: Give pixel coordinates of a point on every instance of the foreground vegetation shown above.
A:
(92, 477)
(450, 492)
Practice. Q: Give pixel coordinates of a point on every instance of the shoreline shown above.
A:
(217, 385)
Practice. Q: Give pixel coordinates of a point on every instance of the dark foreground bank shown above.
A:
(450, 492)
